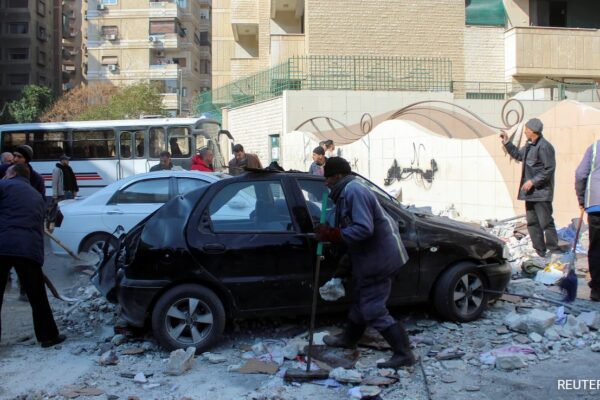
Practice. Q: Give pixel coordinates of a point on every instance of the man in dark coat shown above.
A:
(64, 182)
(164, 163)
(376, 253)
(23, 154)
(22, 247)
(537, 185)
(242, 160)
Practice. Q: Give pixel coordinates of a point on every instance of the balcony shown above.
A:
(285, 46)
(164, 40)
(546, 51)
(295, 6)
(170, 101)
(163, 71)
(168, 8)
(244, 18)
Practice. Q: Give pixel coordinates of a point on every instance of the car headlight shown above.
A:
(506, 252)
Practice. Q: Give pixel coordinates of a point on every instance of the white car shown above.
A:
(84, 225)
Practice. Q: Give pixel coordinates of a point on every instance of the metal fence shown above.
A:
(331, 73)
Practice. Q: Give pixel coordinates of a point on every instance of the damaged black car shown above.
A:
(244, 247)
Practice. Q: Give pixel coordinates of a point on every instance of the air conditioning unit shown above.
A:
(111, 37)
(112, 67)
(153, 38)
(101, 7)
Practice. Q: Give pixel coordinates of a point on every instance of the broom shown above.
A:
(568, 283)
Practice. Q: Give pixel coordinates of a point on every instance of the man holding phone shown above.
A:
(537, 185)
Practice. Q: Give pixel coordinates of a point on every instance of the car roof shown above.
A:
(104, 194)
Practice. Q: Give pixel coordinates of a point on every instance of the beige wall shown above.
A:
(484, 53)
(517, 12)
(252, 125)
(389, 28)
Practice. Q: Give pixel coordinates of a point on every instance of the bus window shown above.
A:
(179, 142)
(94, 144)
(13, 139)
(49, 145)
(157, 142)
(125, 145)
(139, 144)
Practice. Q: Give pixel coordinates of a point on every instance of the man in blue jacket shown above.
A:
(22, 247)
(376, 254)
(587, 187)
(537, 185)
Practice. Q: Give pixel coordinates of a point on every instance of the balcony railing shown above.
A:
(547, 51)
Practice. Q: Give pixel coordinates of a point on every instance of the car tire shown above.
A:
(188, 315)
(95, 243)
(458, 294)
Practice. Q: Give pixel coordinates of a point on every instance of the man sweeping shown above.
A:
(376, 254)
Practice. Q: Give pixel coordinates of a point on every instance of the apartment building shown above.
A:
(30, 44)
(485, 40)
(164, 42)
(72, 18)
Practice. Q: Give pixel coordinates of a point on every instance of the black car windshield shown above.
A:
(379, 191)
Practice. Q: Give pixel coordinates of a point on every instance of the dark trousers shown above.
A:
(540, 223)
(32, 282)
(369, 303)
(594, 250)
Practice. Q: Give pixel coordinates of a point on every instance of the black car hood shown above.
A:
(457, 227)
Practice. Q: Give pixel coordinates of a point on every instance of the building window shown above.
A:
(182, 62)
(204, 40)
(205, 67)
(42, 33)
(109, 2)
(18, 54)
(42, 81)
(18, 28)
(41, 57)
(183, 92)
(17, 79)
(18, 3)
(41, 8)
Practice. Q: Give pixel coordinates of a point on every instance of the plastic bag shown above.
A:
(332, 290)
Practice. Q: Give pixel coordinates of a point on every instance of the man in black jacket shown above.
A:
(22, 247)
(64, 182)
(537, 185)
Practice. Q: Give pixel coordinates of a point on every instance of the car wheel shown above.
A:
(188, 315)
(95, 244)
(459, 293)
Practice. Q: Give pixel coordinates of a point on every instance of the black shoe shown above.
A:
(398, 339)
(49, 343)
(348, 339)
(595, 295)
(541, 253)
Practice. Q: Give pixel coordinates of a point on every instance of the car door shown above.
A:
(132, 203)
(248, 240)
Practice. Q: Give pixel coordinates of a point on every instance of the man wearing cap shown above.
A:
(242, 160)
(537, 185)
(319, 159)
(23, 154)
(376, 253)
(64, 183)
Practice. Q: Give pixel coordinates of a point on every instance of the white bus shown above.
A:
(104, 151)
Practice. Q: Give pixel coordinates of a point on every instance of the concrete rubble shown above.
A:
(512, 336)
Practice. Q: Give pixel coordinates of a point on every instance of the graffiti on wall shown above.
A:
(422, 176)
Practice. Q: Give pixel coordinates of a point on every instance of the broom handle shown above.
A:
(578, 230)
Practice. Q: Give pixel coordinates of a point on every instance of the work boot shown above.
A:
(347, 339)
(398, 339)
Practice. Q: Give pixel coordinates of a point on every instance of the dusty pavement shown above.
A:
(455, 358)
